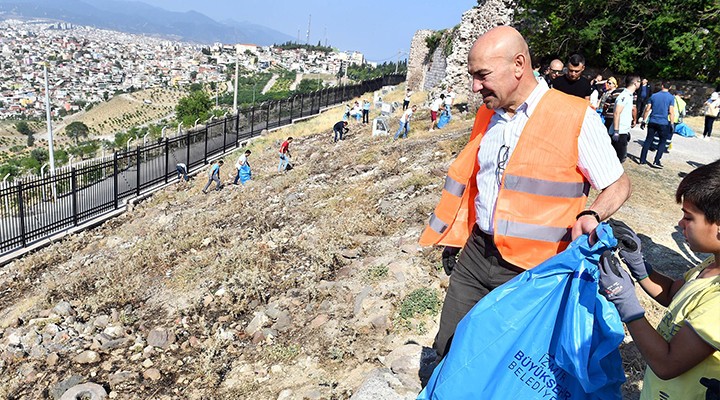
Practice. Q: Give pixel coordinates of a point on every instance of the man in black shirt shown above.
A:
(339, 129)
(573, 82)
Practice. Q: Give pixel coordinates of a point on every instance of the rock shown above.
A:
(152, 374)
(379, 322)
(63, 308)
(319, 321)
(86, 391)
(283, 323)
(147, 363)
(41, 322)
(377, 387)
(87, 357)
(256, 324)
(30, 340)
(114, 331)
(101, 321)
(58, 390)
(159, 337)
(409, 248)
(350, 253)
(52, 359)
(360, 299)
(286, 394)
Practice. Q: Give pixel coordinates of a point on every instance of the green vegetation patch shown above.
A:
(423, 301)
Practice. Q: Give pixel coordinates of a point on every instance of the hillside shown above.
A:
(129, 109)
(298, 285)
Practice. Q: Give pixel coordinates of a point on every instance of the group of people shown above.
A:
(440, 111)
(358, 112)
(524, 177)
(243, 172)
(623, 107)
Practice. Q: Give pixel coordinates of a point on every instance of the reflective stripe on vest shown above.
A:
(436, 224)
(532, 232)
(454, 187)
(546, 188)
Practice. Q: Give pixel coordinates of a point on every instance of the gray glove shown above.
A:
(449, 258)
(617, 286)
(630, 249)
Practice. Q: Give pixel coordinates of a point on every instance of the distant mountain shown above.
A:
(137, 17)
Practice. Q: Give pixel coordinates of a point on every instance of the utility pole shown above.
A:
(237, 61)
(398, 61)
(307, 39)
(49, 129)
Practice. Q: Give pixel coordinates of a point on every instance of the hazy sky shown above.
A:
(377, 28)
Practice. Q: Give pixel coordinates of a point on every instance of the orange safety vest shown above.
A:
(541, 192)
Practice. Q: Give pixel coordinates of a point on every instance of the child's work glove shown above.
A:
(617, 286)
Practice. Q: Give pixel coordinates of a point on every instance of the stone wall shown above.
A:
(429, 74)
(436, 70)
(417, 60)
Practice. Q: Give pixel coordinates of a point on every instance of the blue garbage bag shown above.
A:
(545, 334)
(683, 129)
(245, 174)
(443, 120)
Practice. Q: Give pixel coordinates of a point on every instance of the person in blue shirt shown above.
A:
(214, 175)
(659, 111)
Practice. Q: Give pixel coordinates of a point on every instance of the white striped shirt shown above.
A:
(596, 158)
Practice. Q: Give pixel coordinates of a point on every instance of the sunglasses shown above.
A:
(556, 71)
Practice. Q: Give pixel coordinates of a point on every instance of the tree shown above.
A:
(76, 130)
(24, 128)
(665, 39)
(195, 105)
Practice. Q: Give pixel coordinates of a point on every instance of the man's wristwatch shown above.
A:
(588, 212)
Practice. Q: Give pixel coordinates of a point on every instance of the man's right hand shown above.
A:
(449, 258)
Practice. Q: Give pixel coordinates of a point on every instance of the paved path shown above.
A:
(685, 150)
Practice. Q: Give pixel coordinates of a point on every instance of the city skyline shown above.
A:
(378, 29)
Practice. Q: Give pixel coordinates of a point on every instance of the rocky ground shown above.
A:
(300, 285)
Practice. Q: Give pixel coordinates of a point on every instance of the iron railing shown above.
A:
(35, 208)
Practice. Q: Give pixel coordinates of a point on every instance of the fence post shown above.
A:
(267, 119)
(206, 141)
(237, 129)
(167, 160)
(188, 150)
(115, 178)
(137, 174)
(21, 211)
(302, 104)
(224, 134)
(252, 121)
(279, 112)
(73, 188)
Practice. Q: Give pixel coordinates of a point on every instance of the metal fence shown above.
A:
(35, 208)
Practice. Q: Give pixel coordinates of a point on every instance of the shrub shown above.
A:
(423, 301)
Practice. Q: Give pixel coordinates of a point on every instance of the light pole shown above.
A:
(145, 138)
(196, 122)
(49, 129)
(127, 145)
(237, 62)
(179, 128)
(162, 133)
(70, 160)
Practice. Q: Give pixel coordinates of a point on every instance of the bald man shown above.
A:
(556, 69)
(524, 177)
